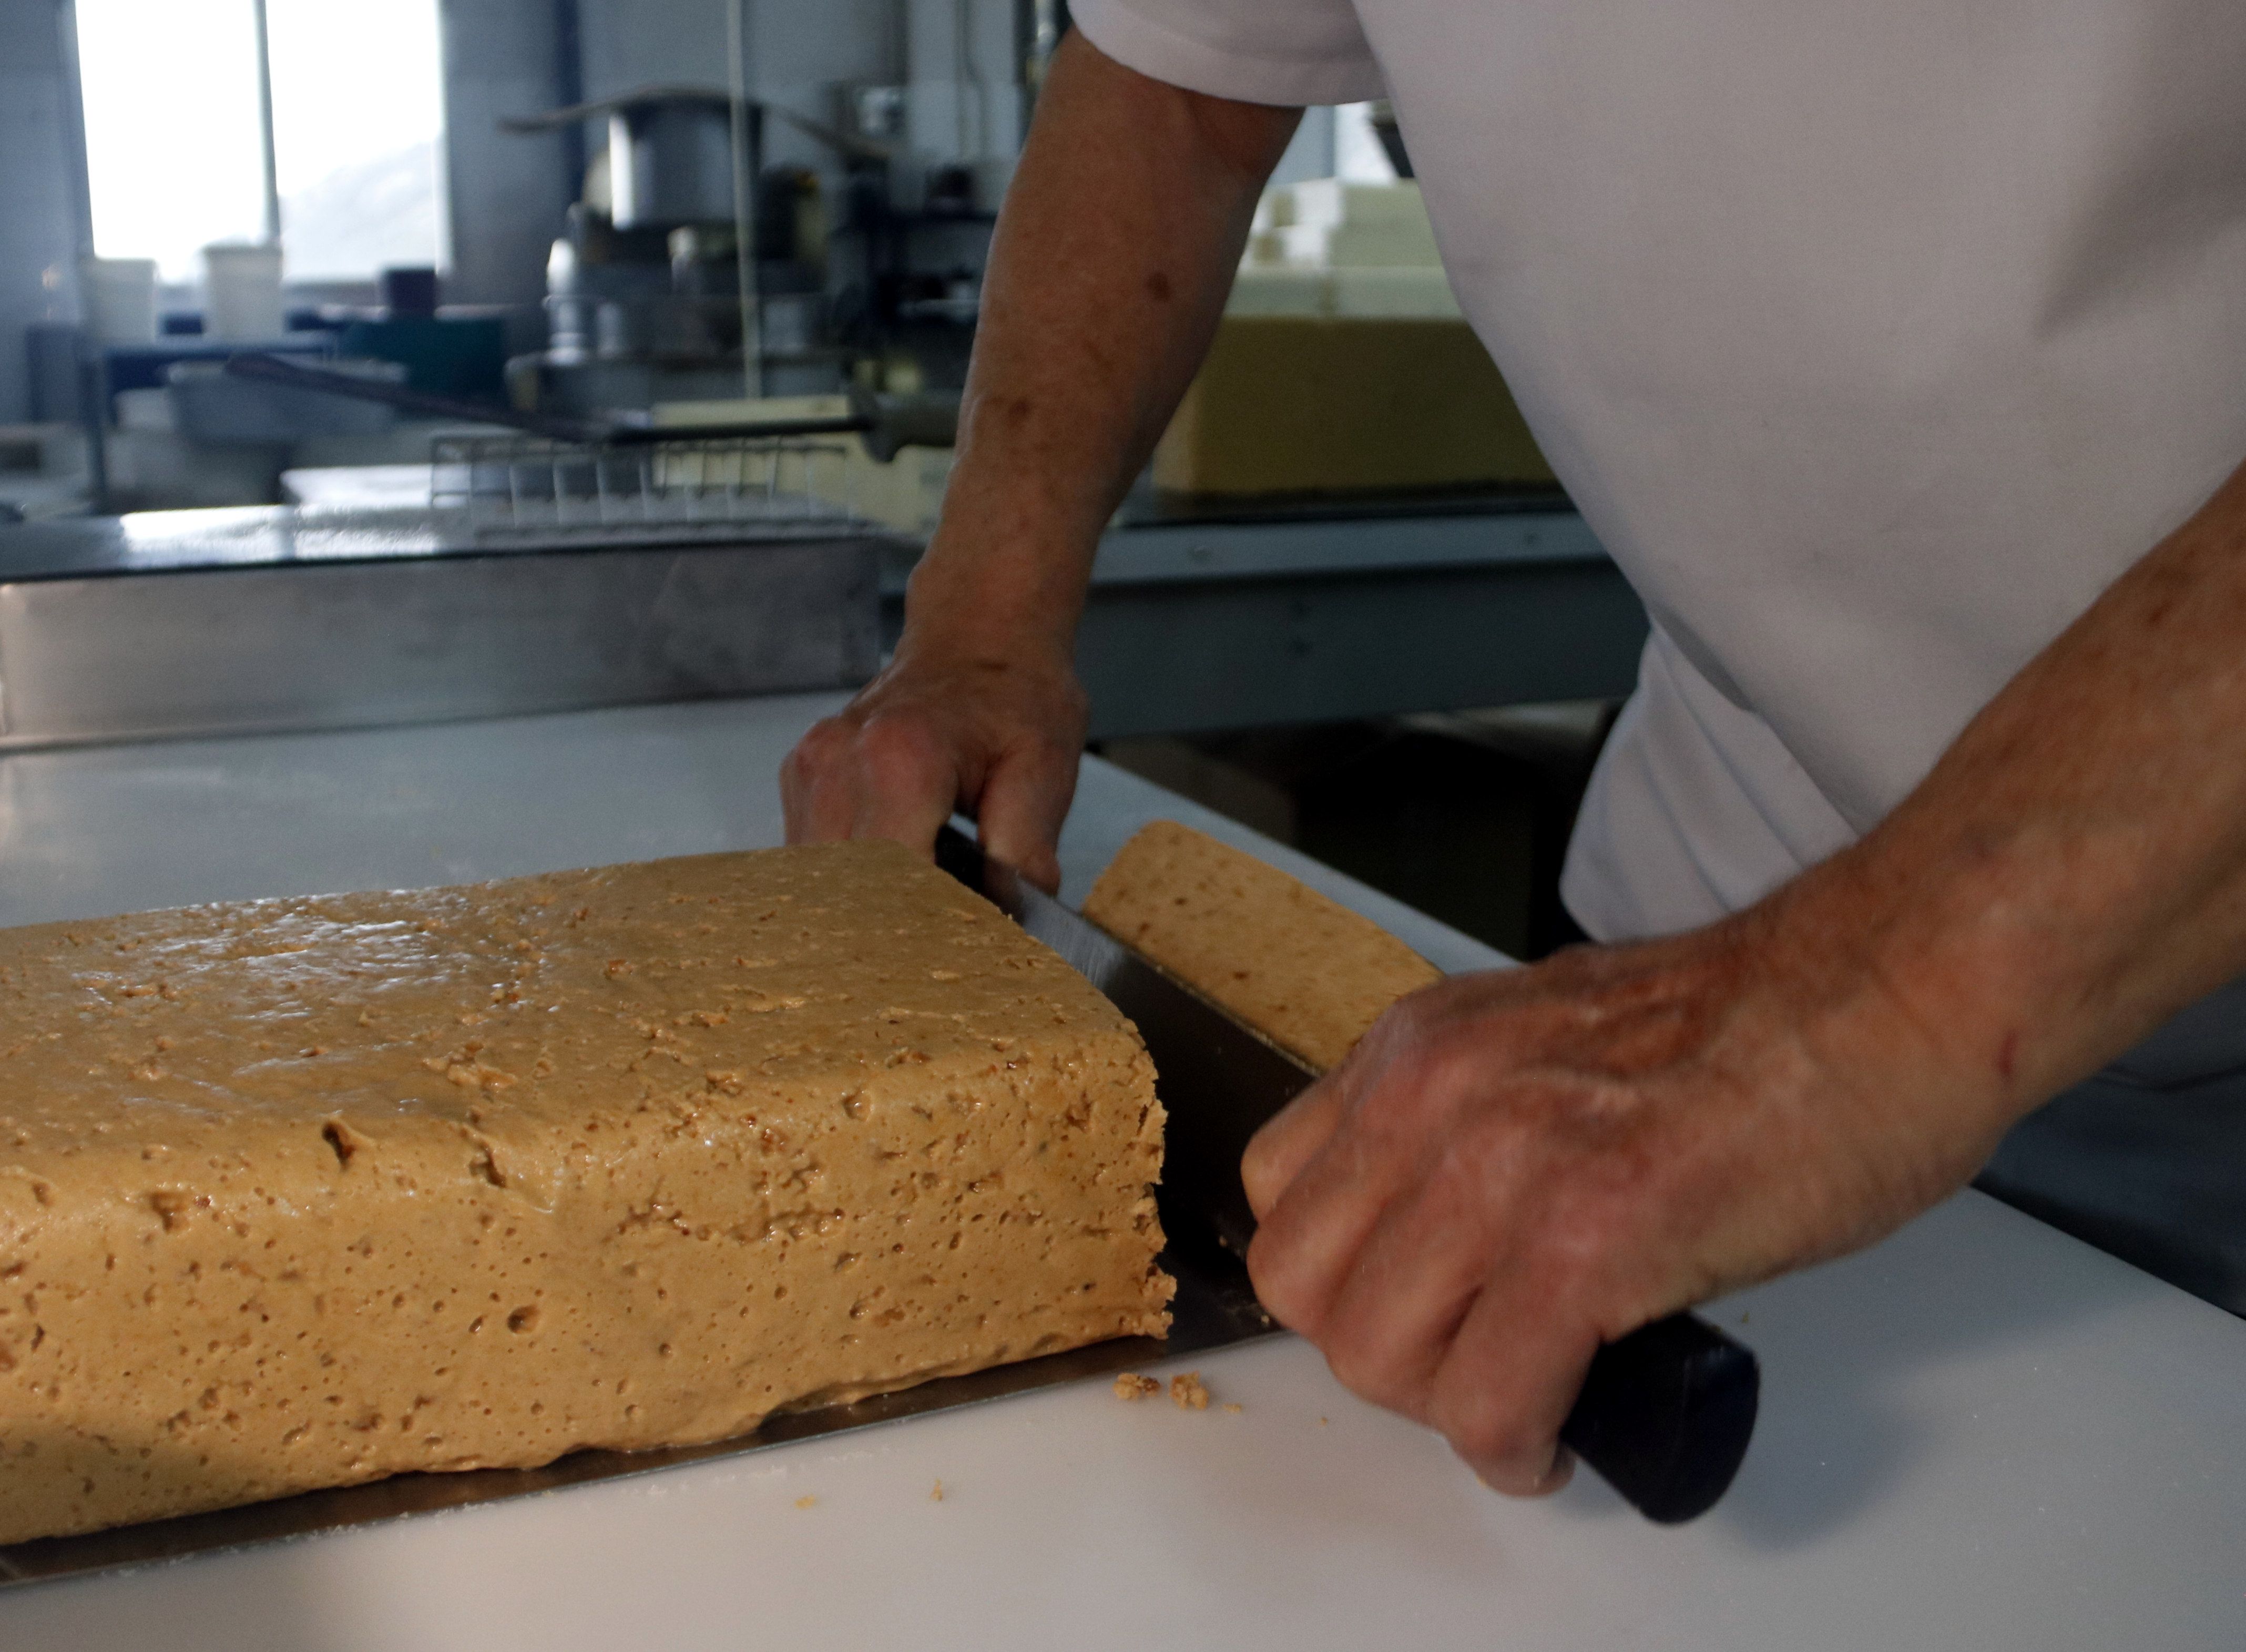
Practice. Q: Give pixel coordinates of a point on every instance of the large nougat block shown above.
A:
(1304, 970)
(300, 1192)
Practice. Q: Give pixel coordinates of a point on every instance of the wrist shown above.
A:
(988, 637)
(987, 599)
(1914, 998)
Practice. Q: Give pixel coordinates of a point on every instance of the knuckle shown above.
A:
(1413, 1086)
(898, 748)
(1573, 1234)
(1452, 1068)
(1586, 1233)
(1073, 707)
(1259, 1168)
(1039, 730)
(1402, 1028)
(892, 733)
(822, 744)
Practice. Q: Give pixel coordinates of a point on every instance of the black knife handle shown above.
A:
(1665, 1416)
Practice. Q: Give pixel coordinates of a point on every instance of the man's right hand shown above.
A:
(996, 737)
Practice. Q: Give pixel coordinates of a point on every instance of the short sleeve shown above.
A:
(1273, 51)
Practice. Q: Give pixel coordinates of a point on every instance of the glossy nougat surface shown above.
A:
(299, 1193)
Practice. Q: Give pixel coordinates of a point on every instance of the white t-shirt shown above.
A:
(1874, 341)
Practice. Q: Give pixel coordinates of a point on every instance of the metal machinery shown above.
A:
(647, 296)
(863, 271)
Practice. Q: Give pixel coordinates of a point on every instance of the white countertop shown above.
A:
(1979, 1434)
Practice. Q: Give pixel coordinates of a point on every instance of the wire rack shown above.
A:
(529, 488)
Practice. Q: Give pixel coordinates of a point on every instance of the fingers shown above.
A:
(1418, 1305)
(1327, 1166)
(1505, 1385)
(815, 792)
(1291, 1138)
(1018, 814)
(1278, 1152)
(907, 779)
(1307, 1239)
(885, 774)
(1419, 1273)
(1391, 1234)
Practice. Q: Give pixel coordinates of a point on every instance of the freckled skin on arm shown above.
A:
(1109, 269)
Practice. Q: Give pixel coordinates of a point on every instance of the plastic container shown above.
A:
(120, 299)
(242, 291)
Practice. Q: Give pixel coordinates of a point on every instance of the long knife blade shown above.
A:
(1664, 1414)
(1219, 1079)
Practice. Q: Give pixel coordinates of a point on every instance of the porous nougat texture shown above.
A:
(1306, 971)
(301, 1193)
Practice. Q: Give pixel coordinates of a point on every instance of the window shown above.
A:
(175, 146)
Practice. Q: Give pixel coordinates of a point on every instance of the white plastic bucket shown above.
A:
(242, 291)
(120, 299)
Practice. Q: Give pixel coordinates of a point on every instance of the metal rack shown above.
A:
(522, 488)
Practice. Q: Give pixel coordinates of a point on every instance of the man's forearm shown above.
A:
(1108, 270)
(2073, 870)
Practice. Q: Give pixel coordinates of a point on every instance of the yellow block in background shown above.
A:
(1337, 404)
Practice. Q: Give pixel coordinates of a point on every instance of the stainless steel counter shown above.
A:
(262, 619)
(329, 616)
